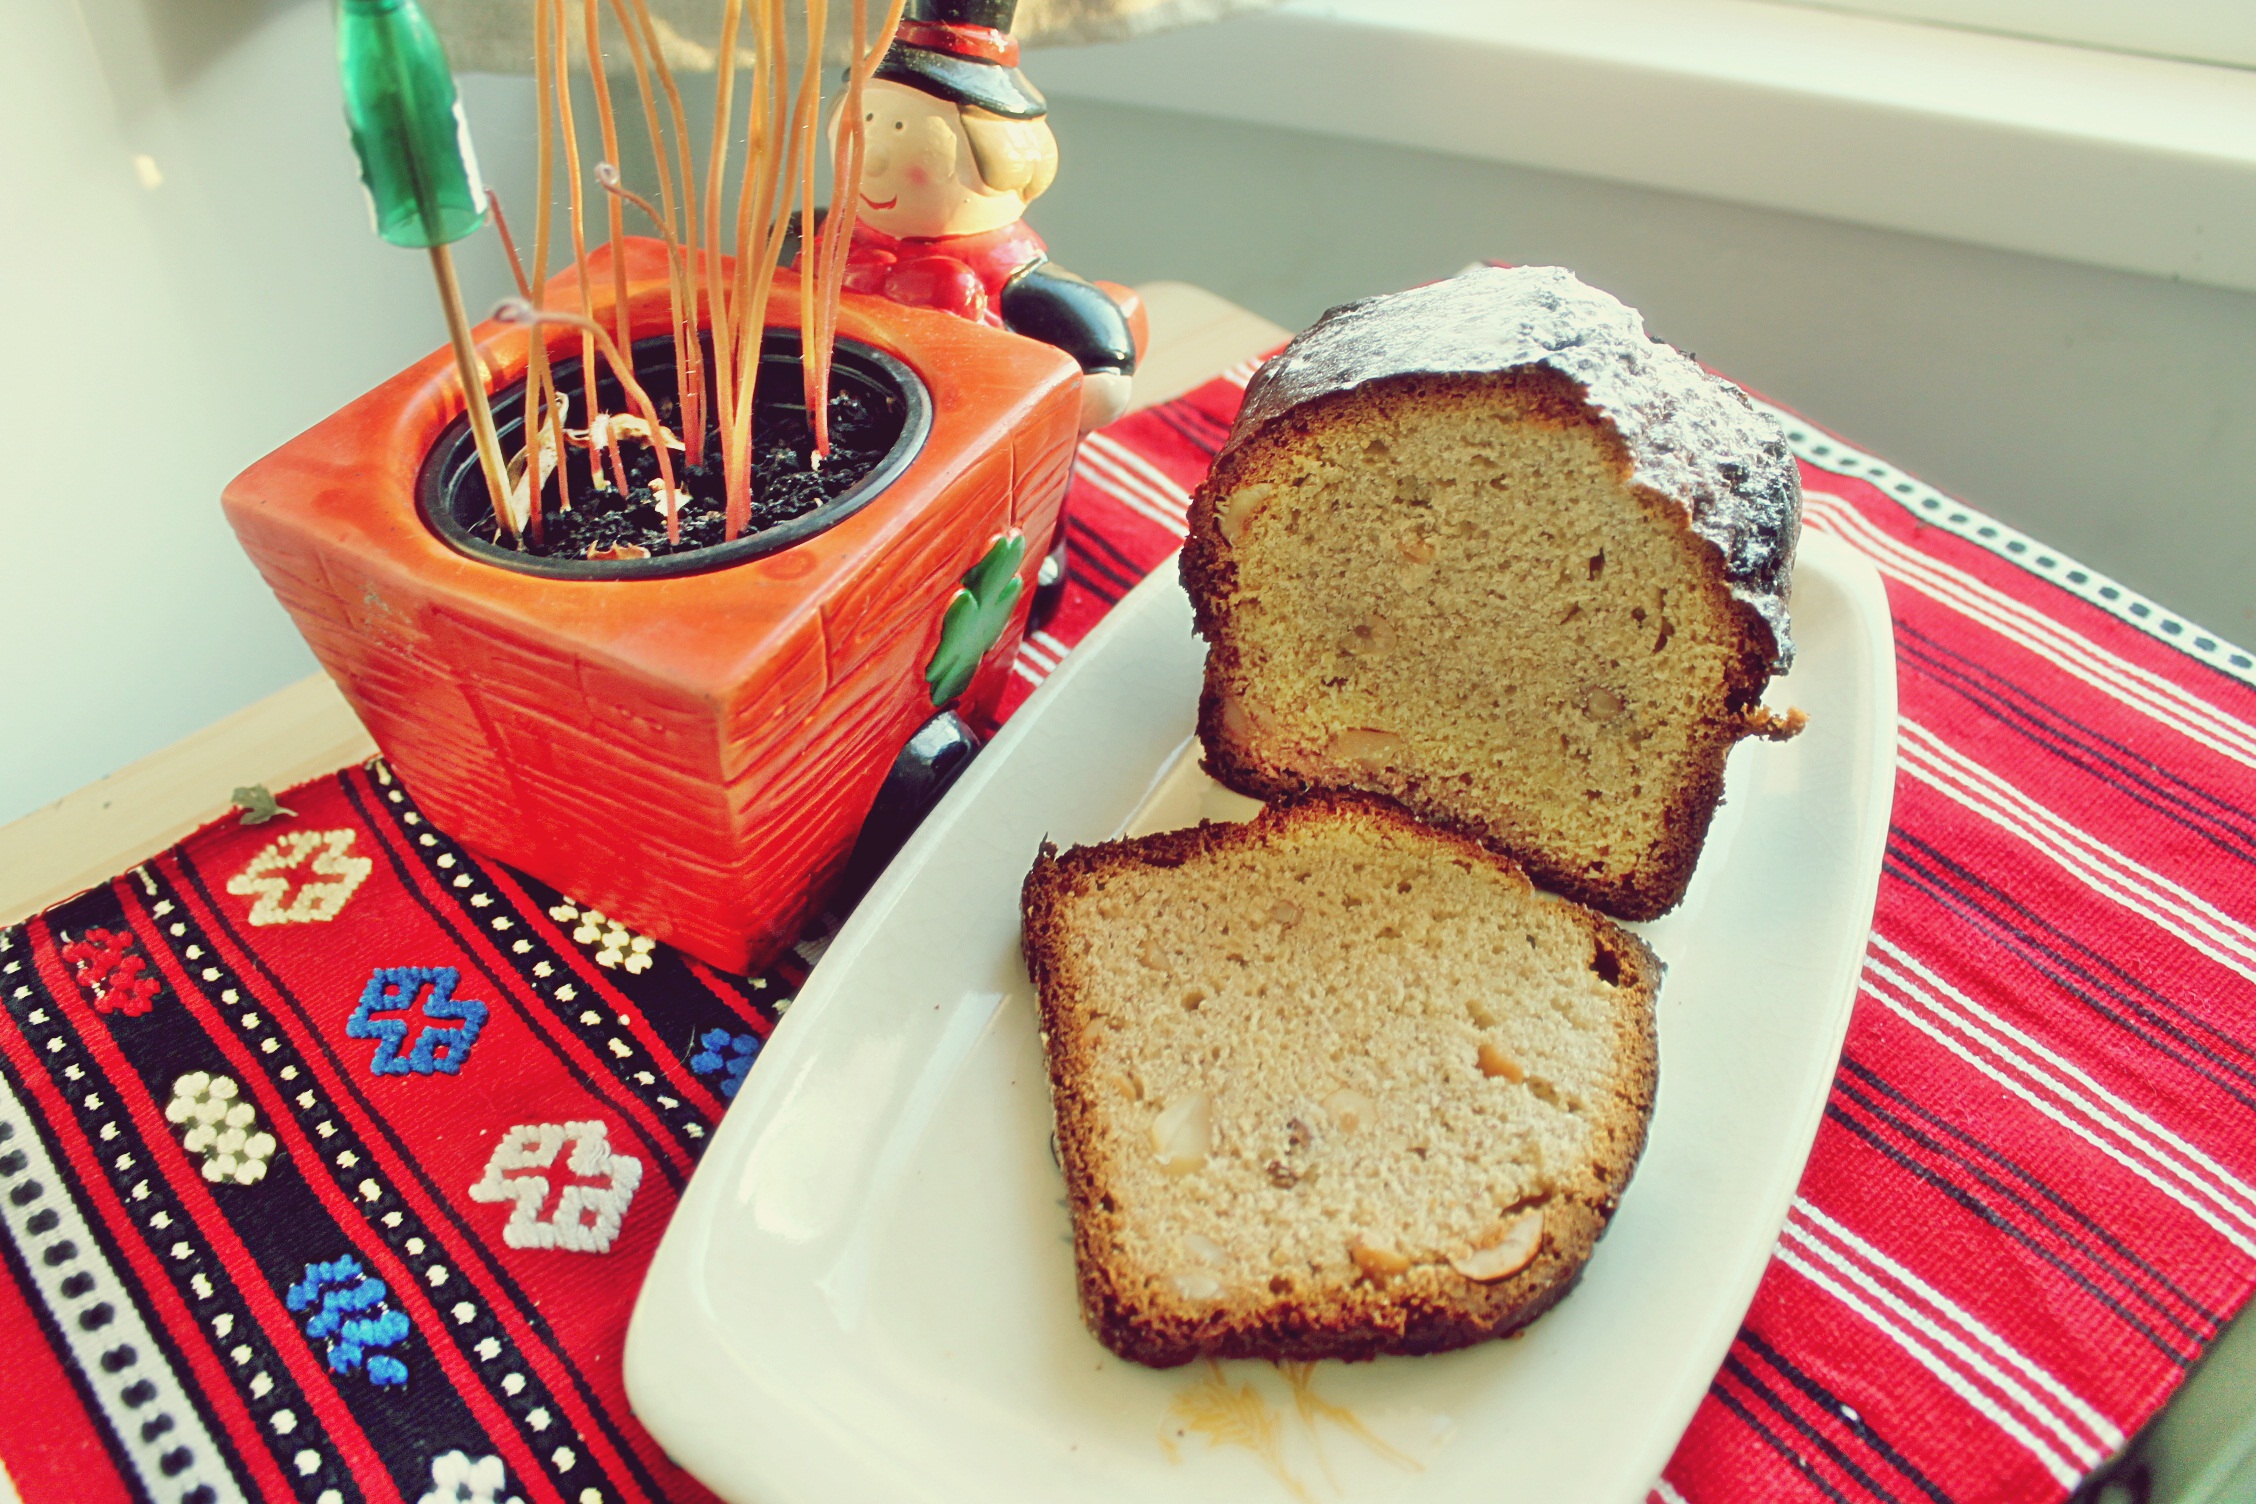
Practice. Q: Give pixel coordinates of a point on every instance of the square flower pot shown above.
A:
(692, 753)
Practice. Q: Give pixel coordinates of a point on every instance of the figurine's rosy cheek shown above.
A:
(919, 176)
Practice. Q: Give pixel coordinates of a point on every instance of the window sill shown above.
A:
(2136, 163)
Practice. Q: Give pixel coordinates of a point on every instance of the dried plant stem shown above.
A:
(536, 379)
(508, 244)
(568, 125)
(540, 380)
(609, 123)
(684, 329)
(716, 294)
(473, 388)
(806, 129)
(517, 312)
(828, 282)
(766, 171)
(690, 377)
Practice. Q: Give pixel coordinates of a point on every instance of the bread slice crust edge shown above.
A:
(1432, 1308)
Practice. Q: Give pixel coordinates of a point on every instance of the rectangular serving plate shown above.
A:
(867, 1292)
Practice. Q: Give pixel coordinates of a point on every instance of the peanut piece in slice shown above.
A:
(1504, 1250)
(1240, 509)
(1198, 1285)
(1367, 747)
(1244, 719)
(1350, 1109)
(1183, 1134)
(1495, 1060)
(1371, 637)
(1379, 1260)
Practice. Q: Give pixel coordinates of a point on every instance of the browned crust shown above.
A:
(1652, 885)
(1430, 1309)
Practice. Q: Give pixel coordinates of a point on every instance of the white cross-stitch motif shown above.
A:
(455, 1479)
(267, 878)
(613, 943)
(574, 1202)
(221, 1128)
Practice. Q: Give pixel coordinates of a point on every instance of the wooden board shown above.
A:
(306, 729)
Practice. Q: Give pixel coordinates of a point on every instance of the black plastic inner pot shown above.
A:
(451, 491)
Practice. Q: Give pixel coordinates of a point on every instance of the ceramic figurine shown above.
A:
(958, 146)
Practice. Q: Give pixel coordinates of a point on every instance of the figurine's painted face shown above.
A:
(918, 176)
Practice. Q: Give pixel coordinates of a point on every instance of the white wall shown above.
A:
(157, 340)
(2112, 415)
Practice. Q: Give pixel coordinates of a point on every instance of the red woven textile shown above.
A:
(331, 1156)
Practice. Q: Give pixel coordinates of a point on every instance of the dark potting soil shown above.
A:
(784, 484)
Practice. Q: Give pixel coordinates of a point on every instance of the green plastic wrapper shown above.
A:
(407, 127)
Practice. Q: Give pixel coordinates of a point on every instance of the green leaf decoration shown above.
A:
(976, 616)
(257, 804)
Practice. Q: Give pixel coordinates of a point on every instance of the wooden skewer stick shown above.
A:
(473, 388)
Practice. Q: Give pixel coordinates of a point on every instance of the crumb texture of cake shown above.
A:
(1487, 549)
(1331, 1084)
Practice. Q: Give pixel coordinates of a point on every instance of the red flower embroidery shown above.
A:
(115, 975)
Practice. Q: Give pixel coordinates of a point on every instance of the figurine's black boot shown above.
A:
(1049, 585)
(932, 761)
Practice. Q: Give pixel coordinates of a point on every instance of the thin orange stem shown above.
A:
(845, 209)
(616, 222)
(692, 376)
(540, 379)
(775, 169)
(517, 312)
(806, 127)
(716, 294)
(569, 125)
(508, 244)
(533, 383)
(608, 176)
(685, 332)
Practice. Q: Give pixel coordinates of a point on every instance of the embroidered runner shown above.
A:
(331, 1155)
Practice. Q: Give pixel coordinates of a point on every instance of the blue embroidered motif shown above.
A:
(354, 1319)
(729, 1055)
(394, 990)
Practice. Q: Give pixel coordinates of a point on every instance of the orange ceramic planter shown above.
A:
(693, 755)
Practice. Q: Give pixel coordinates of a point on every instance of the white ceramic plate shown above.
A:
(867, 1292)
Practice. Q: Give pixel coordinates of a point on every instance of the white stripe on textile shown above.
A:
(1051, 645)
(1038, 656)
(2062, 1471)
(2094, 1440)
(1163, 501)
(1162, 484)
(2112, 675)
(2101, 1111)
(2099, 866)
(1018, 667)
(1948, 513)
(1127, 494)
(2229, 1189)
(1241, 373)
(90, 1306)
(1666, 1492)
(1920, 1014)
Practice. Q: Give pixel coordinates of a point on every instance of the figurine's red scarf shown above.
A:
(958, 274)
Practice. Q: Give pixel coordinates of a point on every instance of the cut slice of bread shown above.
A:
(1488, 550)
(1331, 1084)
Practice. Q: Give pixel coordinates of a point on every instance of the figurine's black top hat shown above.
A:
(962, 51)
